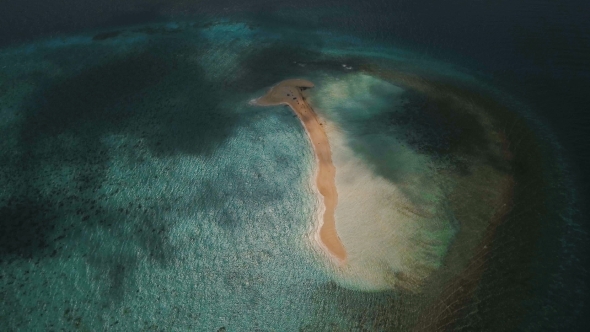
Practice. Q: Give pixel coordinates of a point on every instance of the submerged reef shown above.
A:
(140, 189)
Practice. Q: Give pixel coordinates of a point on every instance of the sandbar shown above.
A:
(289, 92)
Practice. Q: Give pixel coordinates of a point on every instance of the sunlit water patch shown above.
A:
(140, 190)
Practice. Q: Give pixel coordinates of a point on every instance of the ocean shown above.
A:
(141, 190)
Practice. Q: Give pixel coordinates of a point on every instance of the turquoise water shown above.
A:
(141, 191)
(173, 231)
(157, 200)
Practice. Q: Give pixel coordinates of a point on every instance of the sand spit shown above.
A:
(288, 92)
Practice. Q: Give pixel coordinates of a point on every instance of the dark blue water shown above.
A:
(97, 206)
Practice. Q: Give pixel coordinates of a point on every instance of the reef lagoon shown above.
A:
(141, 190)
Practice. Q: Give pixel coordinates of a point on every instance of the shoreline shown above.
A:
(288, 92)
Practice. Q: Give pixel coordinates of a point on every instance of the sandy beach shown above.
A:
(289, 92)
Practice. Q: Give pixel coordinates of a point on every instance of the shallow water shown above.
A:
(141, 191)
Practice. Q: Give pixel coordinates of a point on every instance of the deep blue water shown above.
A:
(106, 168)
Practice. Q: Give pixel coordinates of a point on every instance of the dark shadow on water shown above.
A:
(150, 30)
(27, 227)
(142, 223)
(296, 54)
(185, 116)
(92, 96)
(439, 125)
(33, 217)
(443, 128)
(152, 95)
(149, 94)
(107, 35)
(132, 17)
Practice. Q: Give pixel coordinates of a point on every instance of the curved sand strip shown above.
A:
(289, 92)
